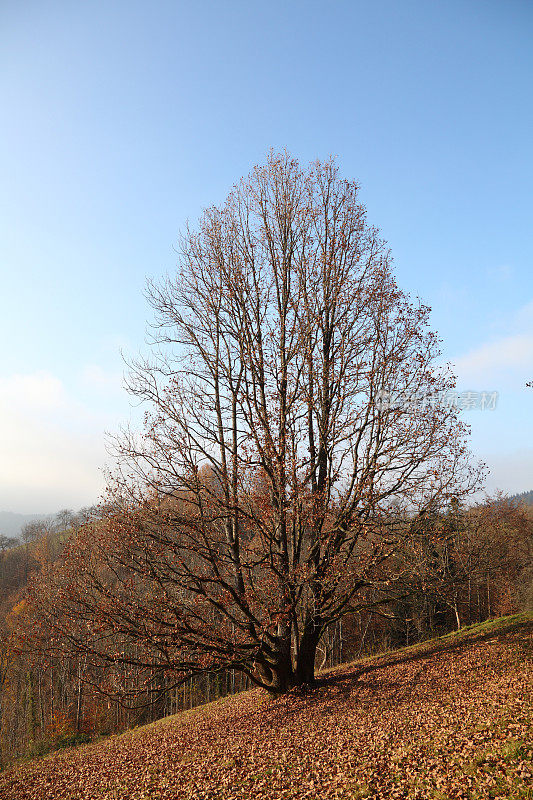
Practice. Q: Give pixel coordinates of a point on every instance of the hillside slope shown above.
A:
(449, 719)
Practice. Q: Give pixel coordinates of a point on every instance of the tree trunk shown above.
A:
(79, 701)
(457, 617)
(277, 674)
(304, 674)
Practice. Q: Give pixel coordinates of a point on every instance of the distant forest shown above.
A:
(524, 497)
(50, 699)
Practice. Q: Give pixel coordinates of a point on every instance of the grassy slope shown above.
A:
(450, 718)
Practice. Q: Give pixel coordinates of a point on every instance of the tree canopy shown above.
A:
(296, 423)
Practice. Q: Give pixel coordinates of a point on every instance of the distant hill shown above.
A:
(524, 497)
(11, 523)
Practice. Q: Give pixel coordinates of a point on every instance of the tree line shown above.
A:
(52, 693)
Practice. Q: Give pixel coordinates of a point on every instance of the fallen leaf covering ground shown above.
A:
(449, 720)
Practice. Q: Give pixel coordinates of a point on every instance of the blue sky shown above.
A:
(121, 120)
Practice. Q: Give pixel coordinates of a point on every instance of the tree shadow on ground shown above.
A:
(423, 652)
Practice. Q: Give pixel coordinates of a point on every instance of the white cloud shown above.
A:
(95, 377)
(509, 356)
(501, 438)
(523, 319)
(503, 362)
(52, 442)
(510, 472)
(40, 390)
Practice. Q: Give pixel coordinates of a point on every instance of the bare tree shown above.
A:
(295, 420)
(6, 542)
(35, 530)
